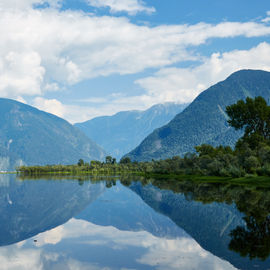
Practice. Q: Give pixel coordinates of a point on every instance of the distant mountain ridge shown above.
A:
(120, 133)
(33, 137)
(204, 120)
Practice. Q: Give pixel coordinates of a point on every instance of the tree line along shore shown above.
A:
(251, 155)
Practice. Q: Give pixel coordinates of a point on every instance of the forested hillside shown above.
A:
(204, 121)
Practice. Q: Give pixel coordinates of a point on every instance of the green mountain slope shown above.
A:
(204, 120)
(120, 133)
(31, 136)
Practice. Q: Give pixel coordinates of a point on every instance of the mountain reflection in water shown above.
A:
(70, 224)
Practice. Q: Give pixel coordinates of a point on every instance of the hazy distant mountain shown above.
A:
(31, 136)
(120, 133)
(204, 120)
(128, 212)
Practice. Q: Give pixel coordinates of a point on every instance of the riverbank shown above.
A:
(72, 171)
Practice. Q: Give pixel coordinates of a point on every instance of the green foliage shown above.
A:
(205, 149)
(205, 119)
(125, 160)
(108, 160)
(254, 116)
(212, 161)
(252, 240)
(80, 162)
(251, 154)
(209, 150)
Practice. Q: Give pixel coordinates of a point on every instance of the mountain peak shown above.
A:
(204, 120)
(33, 137)
(123, 131)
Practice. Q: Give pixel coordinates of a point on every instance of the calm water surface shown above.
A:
(71, 224)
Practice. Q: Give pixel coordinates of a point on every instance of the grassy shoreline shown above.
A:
(259, 181)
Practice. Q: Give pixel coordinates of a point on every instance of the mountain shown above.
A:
(128, 212)
(204, 120)
(31, 207)
(120, 133)
(209, 224)
(33, 137)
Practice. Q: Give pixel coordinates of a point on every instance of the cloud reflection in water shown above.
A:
(79, 244)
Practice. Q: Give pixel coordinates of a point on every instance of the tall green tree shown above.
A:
(108, 160)
(125, 160)
(80, 162)
(253, 115)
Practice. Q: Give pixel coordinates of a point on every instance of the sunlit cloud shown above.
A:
(184, 84)
(170, 254)
(48, 47)
(267, 18)
(132, 7)
(48, 50)
(53, 106)
(28, 4)
(180, 85)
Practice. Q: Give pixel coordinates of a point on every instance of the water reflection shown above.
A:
(28, 208)
(101, 247)
(253, 239)
(130, 225)
(217, 224)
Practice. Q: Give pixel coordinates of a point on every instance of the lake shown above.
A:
(130, 224)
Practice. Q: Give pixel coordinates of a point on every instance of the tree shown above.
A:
(253, 115)
(80, 162)
(253, 239)
(108, 160)
(205, 149)
(125, 160)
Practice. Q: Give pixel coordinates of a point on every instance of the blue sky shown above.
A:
(83, 58)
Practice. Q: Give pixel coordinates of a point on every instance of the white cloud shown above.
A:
(48, 50)
(48, 47)
(168, 254)
(19, 259)
(81, 113)
(24, 4)
(50, 105)
(184, 84)
(20, 73)
(94, 107)
(52, 87)
(21, 99)
(267, 19)
(169, 84)
(175, 84)
(52, 237)
(132, 7)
